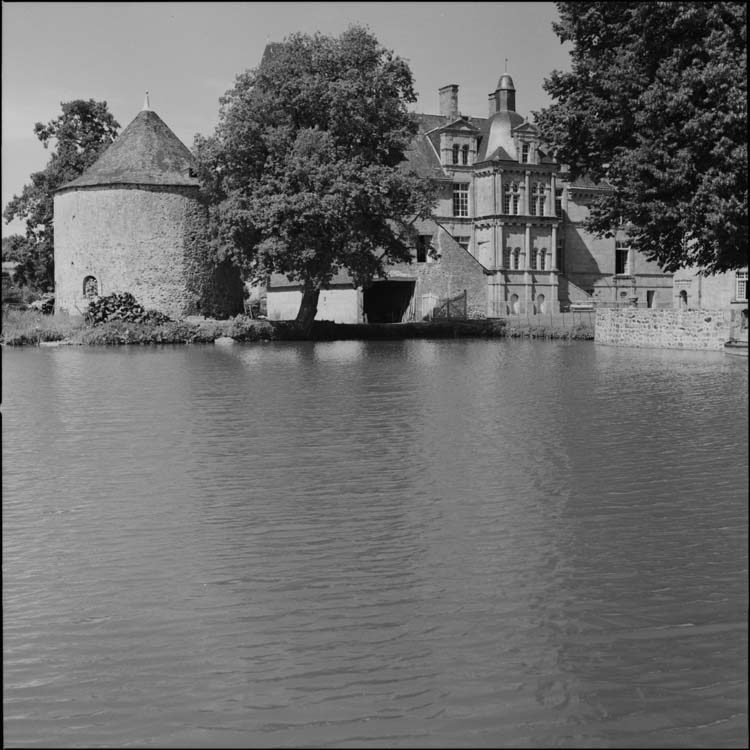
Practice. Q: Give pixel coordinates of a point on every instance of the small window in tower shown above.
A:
(90, 287)
(455, 153)
(511, 199)
(541, 198)
(464, 155)
(533, 259)
(506, 257)
(516, 258)
(543, 259)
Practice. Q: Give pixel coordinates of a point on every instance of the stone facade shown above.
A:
(521, 216)
(137, 239)
(440, 270)
(606, 269)
(671, 329)
(134, 222)
(723, 290)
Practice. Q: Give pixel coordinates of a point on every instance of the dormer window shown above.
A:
(455, 153)
(465, 154)
(525, 148)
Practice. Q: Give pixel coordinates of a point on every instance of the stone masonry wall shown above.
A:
(671, 329)
(456, 270)
(140, 239)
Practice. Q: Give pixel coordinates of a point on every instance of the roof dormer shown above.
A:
(458, 144)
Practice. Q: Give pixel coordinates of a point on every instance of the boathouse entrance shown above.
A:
(387, 301)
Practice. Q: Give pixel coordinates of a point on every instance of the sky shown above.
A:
(187, 55)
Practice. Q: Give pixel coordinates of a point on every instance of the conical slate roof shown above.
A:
(147, 152)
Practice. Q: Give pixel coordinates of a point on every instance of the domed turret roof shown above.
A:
(500, 134)
(147, 152)
(505, 83)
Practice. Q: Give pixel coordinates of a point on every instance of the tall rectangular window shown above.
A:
(455, 153)
(740, 292)
(558, 203)
(464, 154)
(461, 199)
(506, 201)
(622, 257)
(525, 153)
(423, 245)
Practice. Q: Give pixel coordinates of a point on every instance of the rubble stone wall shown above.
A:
(672, 329)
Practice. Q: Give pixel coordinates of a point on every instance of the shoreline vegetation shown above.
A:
(32, 328)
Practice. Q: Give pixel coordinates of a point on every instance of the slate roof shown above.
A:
(147, 152)
(496, 134)
(423, 153)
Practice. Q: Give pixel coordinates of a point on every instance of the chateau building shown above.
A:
(516, 210)
(507, 205)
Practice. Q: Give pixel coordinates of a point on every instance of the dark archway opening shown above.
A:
(387, 301)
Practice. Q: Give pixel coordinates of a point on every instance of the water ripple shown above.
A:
(353, 544)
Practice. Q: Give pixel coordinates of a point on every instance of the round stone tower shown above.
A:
(133, 222)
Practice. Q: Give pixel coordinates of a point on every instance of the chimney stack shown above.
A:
(449, 101)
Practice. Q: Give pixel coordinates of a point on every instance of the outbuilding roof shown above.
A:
(147, 152)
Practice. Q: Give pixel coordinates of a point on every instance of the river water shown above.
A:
(463, 543)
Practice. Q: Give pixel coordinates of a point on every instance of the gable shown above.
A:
(526, 128)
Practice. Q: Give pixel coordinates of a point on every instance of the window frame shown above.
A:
(740, 282)
(461, 200)
(622, 250)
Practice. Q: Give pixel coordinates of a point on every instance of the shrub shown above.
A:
(121, 306)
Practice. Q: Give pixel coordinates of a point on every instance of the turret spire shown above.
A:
(146, 105)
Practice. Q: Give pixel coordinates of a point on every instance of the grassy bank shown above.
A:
(24, 328)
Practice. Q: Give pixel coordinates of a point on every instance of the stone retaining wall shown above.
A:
(671, 329)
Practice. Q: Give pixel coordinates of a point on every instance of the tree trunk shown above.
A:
(307, 309)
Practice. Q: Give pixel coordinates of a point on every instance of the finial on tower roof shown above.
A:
(506, 64)
(145, 102)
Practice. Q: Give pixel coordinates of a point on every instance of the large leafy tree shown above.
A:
(305, 170)
(78, 136)
(656, 104)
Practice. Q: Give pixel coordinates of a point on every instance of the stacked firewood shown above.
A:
(122, 306)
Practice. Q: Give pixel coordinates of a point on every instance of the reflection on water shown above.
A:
(418, 544)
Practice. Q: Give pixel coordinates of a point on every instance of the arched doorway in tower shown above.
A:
(90, 287)
(541, 305)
